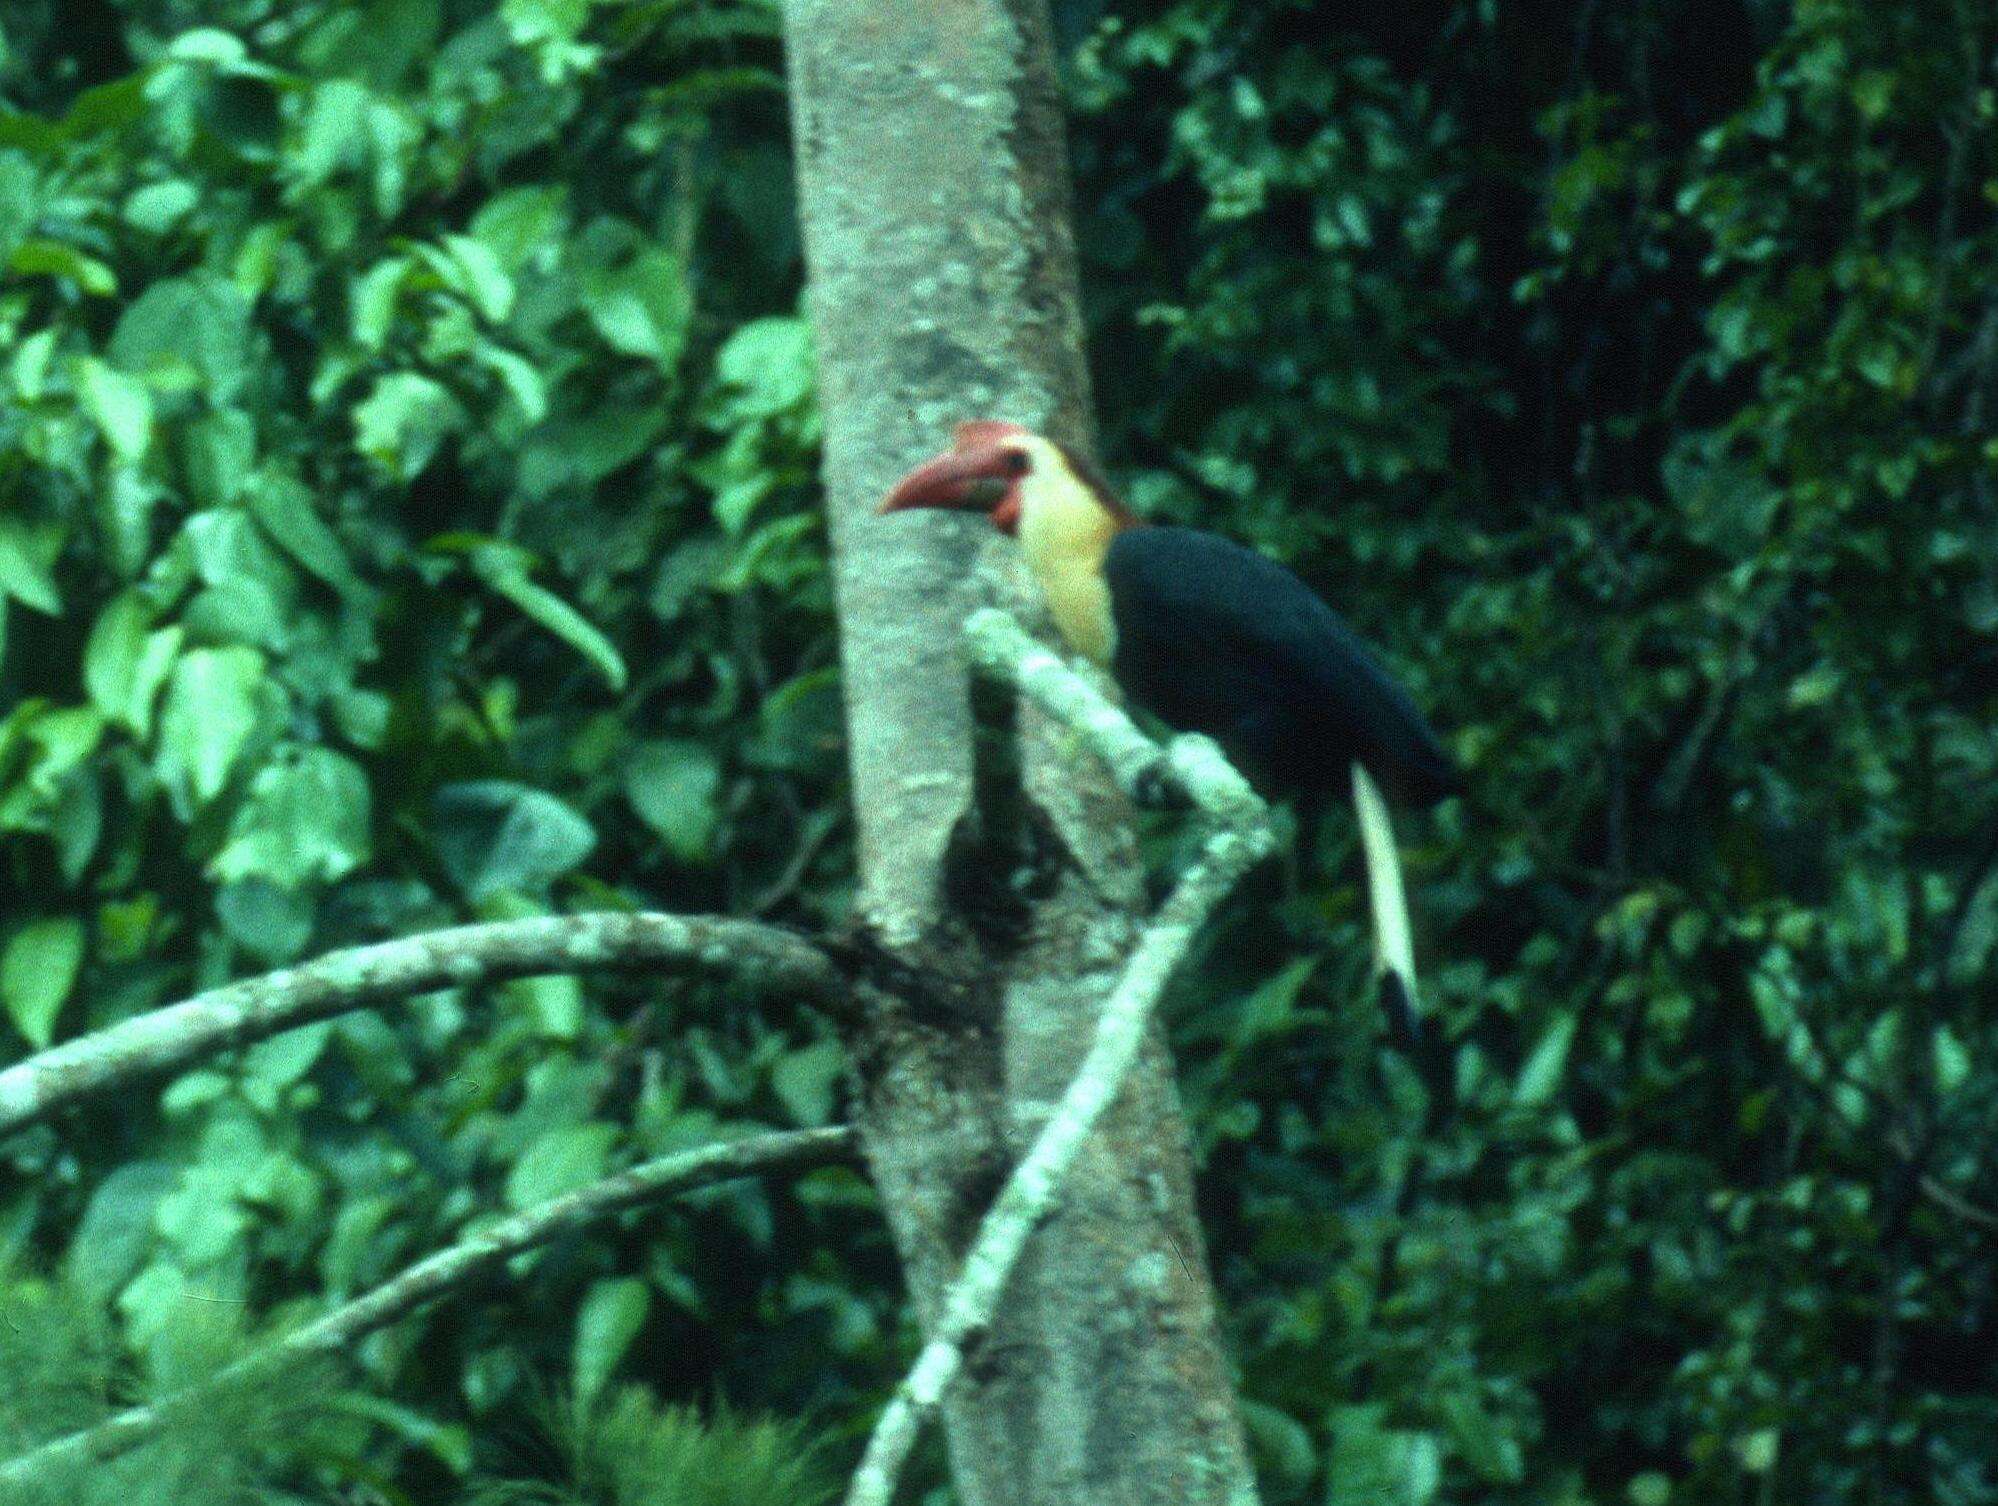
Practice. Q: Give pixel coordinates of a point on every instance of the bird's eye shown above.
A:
(1018, 463)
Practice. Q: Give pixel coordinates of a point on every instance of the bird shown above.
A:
(1209, 636)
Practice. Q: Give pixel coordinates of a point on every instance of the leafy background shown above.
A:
(407, 516)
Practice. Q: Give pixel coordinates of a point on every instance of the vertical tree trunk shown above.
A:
(933, 190)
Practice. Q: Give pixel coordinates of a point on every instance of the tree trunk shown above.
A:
(933, 191)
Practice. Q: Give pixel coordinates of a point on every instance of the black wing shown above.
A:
(1214, 638)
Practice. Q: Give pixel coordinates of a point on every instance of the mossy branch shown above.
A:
(237, 1014)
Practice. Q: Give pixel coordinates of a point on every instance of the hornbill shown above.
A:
(1209, 637)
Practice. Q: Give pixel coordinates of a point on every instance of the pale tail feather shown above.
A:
(1394, 947)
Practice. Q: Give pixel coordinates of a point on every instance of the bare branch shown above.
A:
(1946, 1197)
(450, 1271)
(238, 1013)
(1242, 837)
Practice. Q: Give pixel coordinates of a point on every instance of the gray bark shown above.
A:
(933, 192)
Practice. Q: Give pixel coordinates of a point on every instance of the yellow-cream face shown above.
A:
(1064, 532)
(1030, 488)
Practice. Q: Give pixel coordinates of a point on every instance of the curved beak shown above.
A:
(958, 479)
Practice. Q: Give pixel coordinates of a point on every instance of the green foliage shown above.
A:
(407, 515)
(631, 1451)
(60, 1369)
(1627, 372)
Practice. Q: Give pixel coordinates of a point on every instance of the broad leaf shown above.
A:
(210, 711)
(494, 837)
(674, 784)
(37, 971)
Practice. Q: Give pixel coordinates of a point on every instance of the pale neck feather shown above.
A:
(1064, 533)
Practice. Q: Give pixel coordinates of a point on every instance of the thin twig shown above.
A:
(1949, 1199)
(249, 1010)
(450, 1271)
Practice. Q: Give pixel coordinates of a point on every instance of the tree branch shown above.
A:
(449, 1271)
(245, 1011)
(1193, 766)
(1240, 837)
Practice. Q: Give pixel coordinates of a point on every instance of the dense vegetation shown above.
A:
(407, 515)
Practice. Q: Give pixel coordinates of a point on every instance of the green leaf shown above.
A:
(799, 724)
(125, 662)
(278, 1062)
(1481, 1439)
(158, 207)
(27, 563)
(581, 449)
(208, 45)
(211, 709)
(77, 823)
(60, 737)
(688, 570)
(504, 569)
(806, 1080)
(560, 1161)
(612, 1315)
(522, 379)
(641, 308)
(554, 1003)
(221, 451)
(46, 258)
(522, 225)
(450, 1442)
(252, 593)
(122, 407)
(530, 21)
(362, 716)
(401, 423)
(225, 546)
(37, 971)
(1872, 92)
(1368, 1465)
(20, 200)
(674, 784)
(346, 130)
(481, 278)
(188, 333)
(285, 509)
(273, 923)
(1952, 1062)
(31, 363)
(125, 520)
(1282, 1443)
(373, 299)
(1815, 686)
(764, 368)
(1541, 1076)
(306, 820)
(106, 108)
(495, 837)
(1651, 1488)
(115, 1234)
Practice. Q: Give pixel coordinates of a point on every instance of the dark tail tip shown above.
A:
(1404, 1024)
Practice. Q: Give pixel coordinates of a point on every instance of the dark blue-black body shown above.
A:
(1215, 638)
